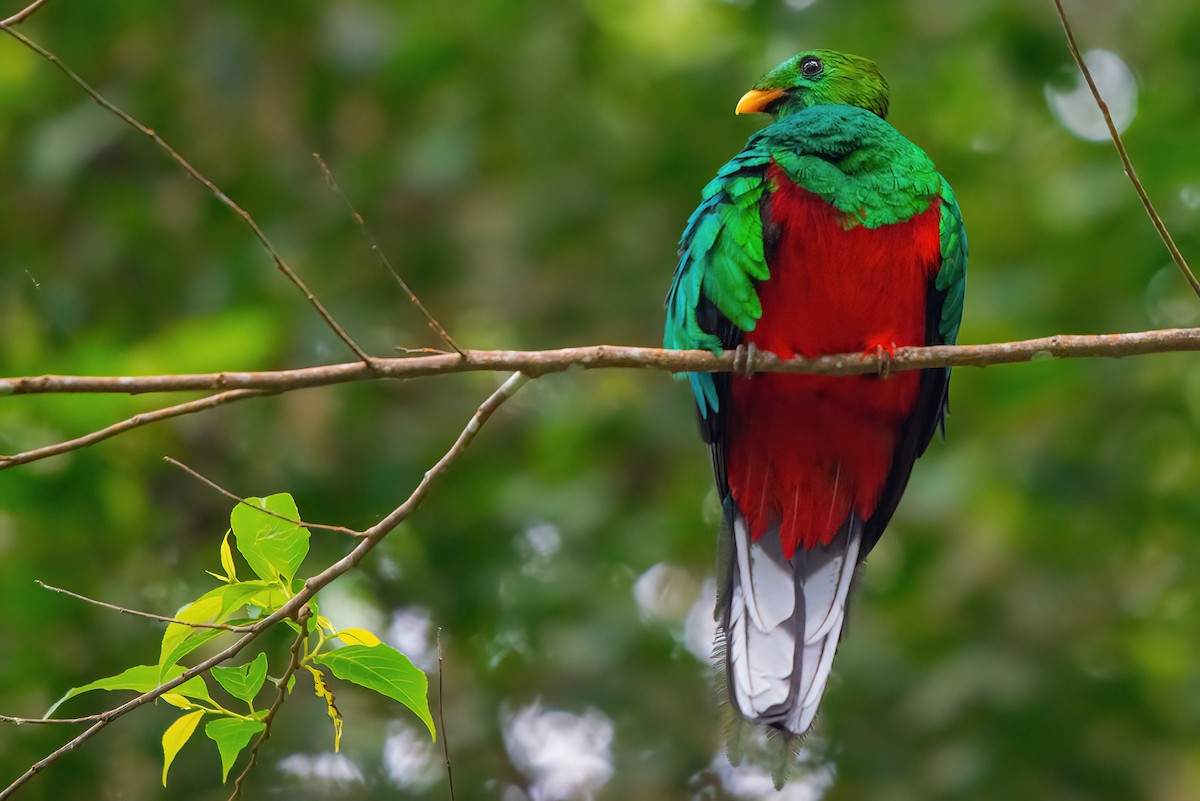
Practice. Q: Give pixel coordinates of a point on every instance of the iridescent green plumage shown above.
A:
(952, 277)
(828, 233)
(833, 141)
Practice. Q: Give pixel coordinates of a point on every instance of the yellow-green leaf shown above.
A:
(231, 735)
(227, 558)
(140, 679)
(358, 637)
(179, 640)
(175, 736)
(273, 546)
(215, 606)
(177, 700)
(386, 671)
(243, 681)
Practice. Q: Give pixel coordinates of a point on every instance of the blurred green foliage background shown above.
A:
(1027, 629)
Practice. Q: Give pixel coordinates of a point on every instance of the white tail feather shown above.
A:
(783, 622)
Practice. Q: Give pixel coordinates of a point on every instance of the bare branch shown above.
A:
(281, 688)
(1115, 135)
(292, 609)
(23, 14)
(214, 485)
(41, 721)
(536, 363)
(383, 259)
(138, 420)
(201, 178)
(138, 613)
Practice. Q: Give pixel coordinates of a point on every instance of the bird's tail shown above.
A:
(779, 619)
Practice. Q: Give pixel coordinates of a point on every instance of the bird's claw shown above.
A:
(744, 358)
(884, 359)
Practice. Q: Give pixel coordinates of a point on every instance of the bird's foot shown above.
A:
(744, 358)
(885, 356)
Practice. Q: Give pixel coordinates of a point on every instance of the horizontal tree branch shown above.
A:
(535, 363)
(239, 386)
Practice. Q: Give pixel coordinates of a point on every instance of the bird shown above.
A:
(828, 233)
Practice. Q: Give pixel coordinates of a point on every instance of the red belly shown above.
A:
(805, 451)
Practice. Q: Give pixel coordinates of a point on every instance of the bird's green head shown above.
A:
(818, 78)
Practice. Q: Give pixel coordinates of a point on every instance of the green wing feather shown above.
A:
(720, 258)
(952, 277)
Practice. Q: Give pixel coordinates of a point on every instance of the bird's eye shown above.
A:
(811, 67)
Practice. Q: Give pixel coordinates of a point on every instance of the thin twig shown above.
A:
(231, 496)
(371, 537)
(23, 14)
(383, 259)
(1115, 135)
(138, 420)
(39, 721)
(417, 351)
(281, 688)
(138, 613)
(208, 184)
(442, 714)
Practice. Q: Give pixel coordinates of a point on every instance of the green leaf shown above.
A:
(243, 681)
(176, 735)
(193, 688)
(140, 679)
(179, 640)
(386, 671)
(231, 735)
(273, 548)
(243, 593)
(269, 599)
(214, 606)
(182, 642)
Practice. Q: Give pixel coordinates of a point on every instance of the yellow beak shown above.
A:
(756, 100)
